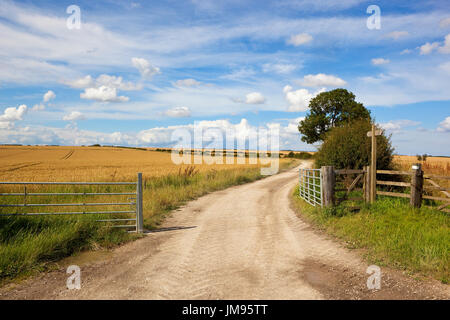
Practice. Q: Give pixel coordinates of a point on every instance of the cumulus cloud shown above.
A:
(81, 83)
(160, 136)
(103, 80)
(116, 82)
(223, 129)
(103, 94)
(14, 114)
(292, 126)
(255, 98)
(38, 107)
(299, 39)
(427, 48)
(74, 116)
(280, 68)
(322, 80)
(187, 83)
(299, 99)
(444, 126)
(398, 125)
(378, 61)
(103, 88)
(144, 67)
(178, 112)
(446, 46)
(237, 132)
(10, 115)
(397, 34)
(406, 51)
(50, 95)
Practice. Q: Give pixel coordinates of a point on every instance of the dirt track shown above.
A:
(241, 243)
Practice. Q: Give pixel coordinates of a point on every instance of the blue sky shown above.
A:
(137, 70)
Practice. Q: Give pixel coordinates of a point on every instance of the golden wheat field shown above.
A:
(54, 163)
(432, 165)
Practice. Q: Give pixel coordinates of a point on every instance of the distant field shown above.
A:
(33, 163)
(432, 165)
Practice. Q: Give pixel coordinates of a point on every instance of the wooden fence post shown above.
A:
(328, 183)
(367, 184)
(416, 186)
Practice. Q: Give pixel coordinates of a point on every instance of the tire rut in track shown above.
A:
(68, 155)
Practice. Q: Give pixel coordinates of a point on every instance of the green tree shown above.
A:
(328, 110)
(348, 147)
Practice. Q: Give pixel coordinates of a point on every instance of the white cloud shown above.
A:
(13, 114)
(299, 99)
(427, 48)
(292, 126)
(446, 46)
(50, 95)
(397, 34)
(81, 83)
(406, 51)
(74, 116)
(255, 98)
(398, 125)
(322, 80)
(178, 112)
(10, 115)
(144, 67)
(299, 39)
(38, 107)
(279, 68)
(378, 61)
(187, 83)
(240, 132)
(69, 135)
(103, 80)
(103, 94)
(116, 82)
(444, 22)
(444, 126)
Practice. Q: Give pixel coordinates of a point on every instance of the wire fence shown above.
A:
(310, 186)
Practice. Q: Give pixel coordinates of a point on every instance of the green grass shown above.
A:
(31, 244)
(391, 232)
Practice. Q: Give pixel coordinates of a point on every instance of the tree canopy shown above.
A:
(328, 110)
(348, 147)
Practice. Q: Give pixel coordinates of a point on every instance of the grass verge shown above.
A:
(32, 244)
(391, 232)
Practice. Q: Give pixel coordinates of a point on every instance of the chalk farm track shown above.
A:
(241, 243)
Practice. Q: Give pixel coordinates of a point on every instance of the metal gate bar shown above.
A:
(138, 210)
(310, 186)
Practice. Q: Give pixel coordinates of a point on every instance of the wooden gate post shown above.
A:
(367, 184)
(373, 162)
(416, 185)
(328, 183)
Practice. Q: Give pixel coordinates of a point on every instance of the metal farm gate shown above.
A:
(310, 186)
(134, 205)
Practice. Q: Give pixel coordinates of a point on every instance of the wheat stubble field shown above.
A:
(29, 244)
(34, 163)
